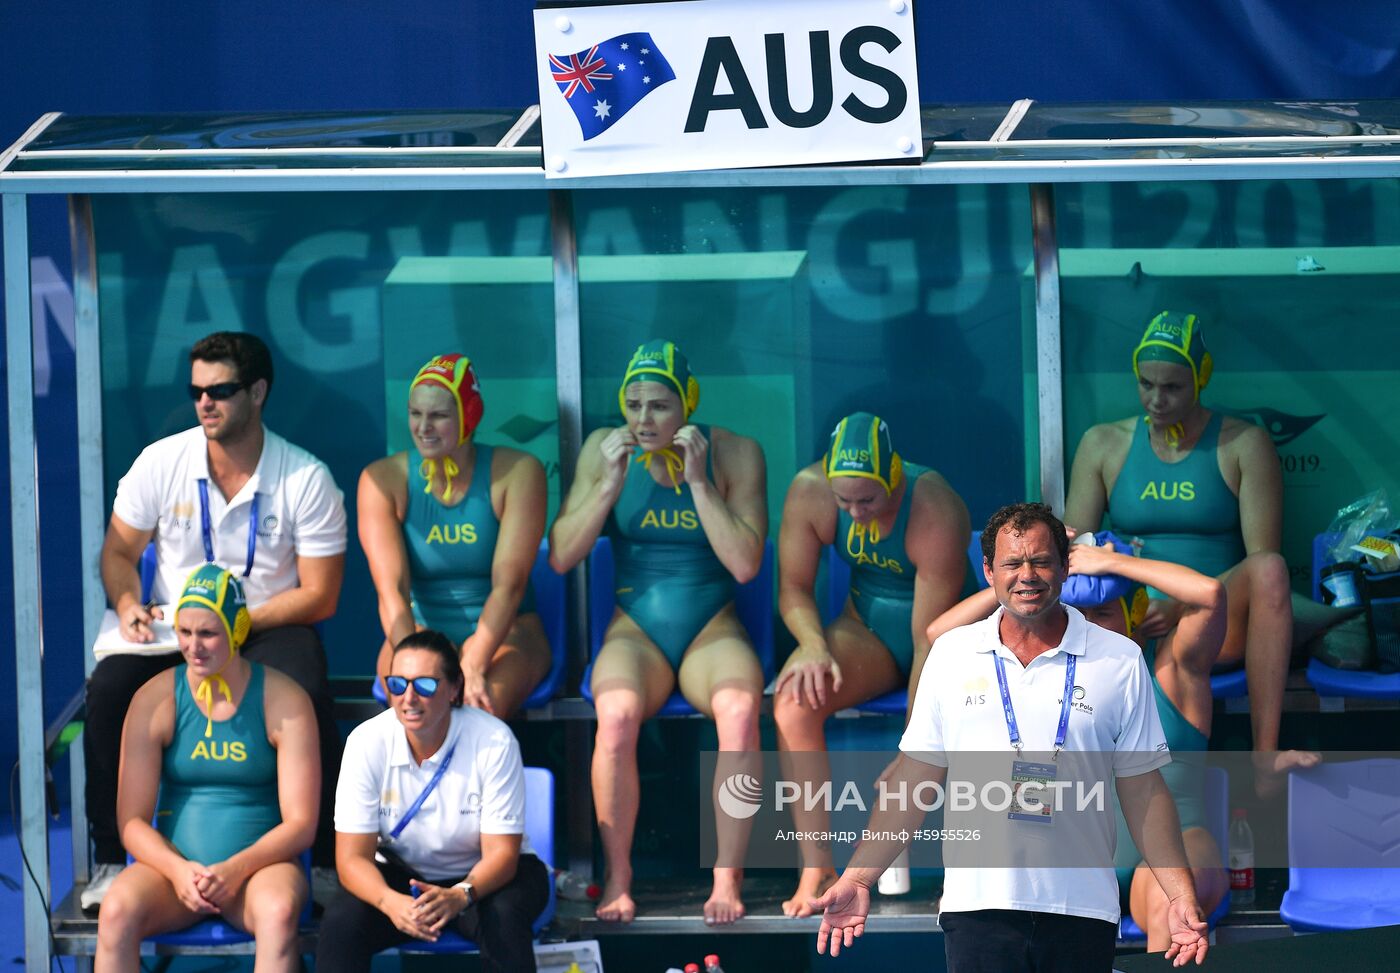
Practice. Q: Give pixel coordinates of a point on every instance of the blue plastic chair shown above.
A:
(549, 603)
(217, 932)
(1341, 818)
(539, 828)
(753, 602)
(148, 572)
(1217, 802)
(838, 578)
(1328, 681)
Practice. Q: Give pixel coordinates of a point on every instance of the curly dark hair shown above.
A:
(246, 352)
(441, 646)
(1020, 517)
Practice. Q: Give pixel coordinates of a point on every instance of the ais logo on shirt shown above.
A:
(452, 534)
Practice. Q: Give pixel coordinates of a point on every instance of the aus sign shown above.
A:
(711, 84)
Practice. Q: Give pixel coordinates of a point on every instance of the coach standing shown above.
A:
(1037, 659)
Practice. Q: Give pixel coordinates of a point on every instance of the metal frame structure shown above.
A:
(999, 160)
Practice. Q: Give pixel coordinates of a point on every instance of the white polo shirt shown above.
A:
(482, 791)
(300, 512)
(958, 710)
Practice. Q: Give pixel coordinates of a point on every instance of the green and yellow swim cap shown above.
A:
(216, 589)
(661, 362)
(1134, 605)
(861, 446)
(1175, 337)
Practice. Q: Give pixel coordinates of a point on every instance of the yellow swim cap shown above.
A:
(216, 589)
(861, 446)
(1176, 337)
(662, 362)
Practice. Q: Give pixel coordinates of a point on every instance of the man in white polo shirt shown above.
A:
(232, 492)
(1043, 680)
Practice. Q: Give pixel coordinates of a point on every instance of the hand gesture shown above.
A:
(186, 883)
(402, 911)
(845, 906)
(1188, 930)
(616, 449)
(437, 905)
(1093, 561)
(135, 622)
(690, 442)
(221, 882)
(474, 687)
(805, 674)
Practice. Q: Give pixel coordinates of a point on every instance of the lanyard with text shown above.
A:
(208, 528)
(413, 808)
(1011, 728)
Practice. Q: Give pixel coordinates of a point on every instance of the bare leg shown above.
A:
(631, 680)
(140, 903)
(721, 677)
(867, 670)
(1260, 629)
(269, 907)
(519, 665)
(1149, 903)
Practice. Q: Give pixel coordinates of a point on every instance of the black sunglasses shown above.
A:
(423, 685)
(219, 392)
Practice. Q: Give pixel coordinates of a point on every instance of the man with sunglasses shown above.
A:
(232, 492)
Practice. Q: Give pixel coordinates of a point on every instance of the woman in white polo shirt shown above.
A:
(409, 869)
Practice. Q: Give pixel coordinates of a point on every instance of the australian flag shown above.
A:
(607, 81)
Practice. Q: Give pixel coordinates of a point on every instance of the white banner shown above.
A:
(718, 84)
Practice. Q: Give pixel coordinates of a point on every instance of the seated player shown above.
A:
(1204, 490)
(684, 505)
(222, 754)
(904, 533)
(451, 528)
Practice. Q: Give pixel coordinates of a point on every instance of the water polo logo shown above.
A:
(740, 796)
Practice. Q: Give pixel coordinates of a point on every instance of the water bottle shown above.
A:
(895, 879)
(573, 886)
(712, 964)
(1241, 859)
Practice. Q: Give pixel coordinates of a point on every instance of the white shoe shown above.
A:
(103, 875)
(325, 883)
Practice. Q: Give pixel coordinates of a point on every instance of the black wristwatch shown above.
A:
(466, 887)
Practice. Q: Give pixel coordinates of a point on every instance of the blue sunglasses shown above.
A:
(423, 685)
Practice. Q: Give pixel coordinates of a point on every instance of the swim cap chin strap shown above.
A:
(675, 465)
(456, 374)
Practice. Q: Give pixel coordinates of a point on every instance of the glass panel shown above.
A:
(352, 292)
(1209, 120)
(796, 307)
(1296, 284)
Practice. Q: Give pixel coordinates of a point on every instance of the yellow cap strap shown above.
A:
(1173, 433)
(428, 469)
(859, 532)
(205, 694)
(675, 466)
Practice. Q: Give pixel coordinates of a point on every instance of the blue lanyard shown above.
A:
(1011, 728)
(413, 808)
(208, 528)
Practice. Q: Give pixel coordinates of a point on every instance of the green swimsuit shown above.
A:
(882, 577)
(1184, 776)
(218, 793)
(450, 550)
(669, 580)
(1184, 512)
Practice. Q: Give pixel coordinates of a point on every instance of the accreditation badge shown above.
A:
(1032, 795)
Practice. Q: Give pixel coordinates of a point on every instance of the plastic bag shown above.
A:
(1368, 514)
